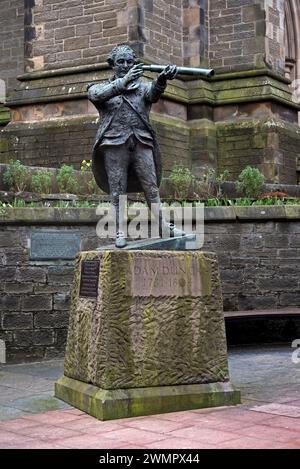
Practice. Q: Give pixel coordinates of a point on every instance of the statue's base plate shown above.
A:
(177, 243)
(112, 404)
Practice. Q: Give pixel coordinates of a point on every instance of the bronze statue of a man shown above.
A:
(126, 156)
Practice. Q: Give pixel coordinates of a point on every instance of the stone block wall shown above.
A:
(161, 30)
(232, 34)
(261, 134)
(237, 34)
(258, 263)
(275, 46)
(73, 32)
(271, 146)
(11, 51)
(242, 34)
(174, 139)
(51, 144)
(258, 254)
(246, 35)
(34, 296)
(11, 41)
(245, 40)
(72, 143)
(200, 136)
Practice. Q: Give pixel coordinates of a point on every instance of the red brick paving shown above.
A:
(233, 427)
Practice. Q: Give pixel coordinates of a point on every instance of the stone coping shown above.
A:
(83, 216)
(104, 66)
(226, 89)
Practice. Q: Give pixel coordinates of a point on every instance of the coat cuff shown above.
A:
(118, 85)
(160, 86)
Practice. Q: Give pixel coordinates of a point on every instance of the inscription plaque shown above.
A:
(54, 244)
(89, 279)
(165, 277)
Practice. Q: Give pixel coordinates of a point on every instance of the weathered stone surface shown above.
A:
(10, 241)
(37, 337)
(122, 403)
(130, 337)
(259, 302)
(9, 303)
(288, 299)
(31, 274)
(60, 274)
(7, 273)
(14, 321)
(37, 303)
(51, 320)
(157, 277)
(14, 287)
(61, 301)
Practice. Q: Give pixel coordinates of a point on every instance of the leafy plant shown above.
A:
(16, 176)
(210, 183)
(244, 202)
(250, 181)
(181, 179)
(41, 182)
(270, 201)
(212, 202)
(66, 180)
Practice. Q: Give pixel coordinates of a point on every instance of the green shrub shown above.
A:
(41, 182)
(182, 179)
(16, 176)
(250, 182)
(66, 180)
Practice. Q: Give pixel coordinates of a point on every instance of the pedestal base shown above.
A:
(121, 403)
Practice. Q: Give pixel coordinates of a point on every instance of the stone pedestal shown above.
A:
(146, 334)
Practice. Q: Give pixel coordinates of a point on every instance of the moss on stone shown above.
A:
(124, 403)
(4, 144)
(292, 212)
(125, 338)
(273, 212)
(4, 115)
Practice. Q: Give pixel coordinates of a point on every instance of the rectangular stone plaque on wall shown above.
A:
(54, 244)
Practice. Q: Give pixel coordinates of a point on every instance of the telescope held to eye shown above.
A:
(207, 72)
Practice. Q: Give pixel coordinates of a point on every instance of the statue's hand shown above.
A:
(169, 73)
(134, 73)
